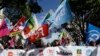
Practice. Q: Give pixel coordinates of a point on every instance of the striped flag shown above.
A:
(30, 26)
(19, 26)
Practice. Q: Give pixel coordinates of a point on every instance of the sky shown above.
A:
(46, 6)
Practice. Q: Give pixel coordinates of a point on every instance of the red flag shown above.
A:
(41, 32)
(18, 25)
(26, 30)
(30, 25)
(21, 20)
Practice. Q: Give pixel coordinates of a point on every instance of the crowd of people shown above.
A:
(18, 42)
(10, 43)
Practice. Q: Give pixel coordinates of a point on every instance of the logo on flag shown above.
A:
(39, 33)
(63, 14)
(60, 14)
(94, 35)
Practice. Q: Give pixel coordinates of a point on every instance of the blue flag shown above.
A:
(47, 19)
(93, 33)
(63, 14)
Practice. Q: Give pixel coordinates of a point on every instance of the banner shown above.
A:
(90, 50)
(98, 51)
(53, 51)
(2, 52)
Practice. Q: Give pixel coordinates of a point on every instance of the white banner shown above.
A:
(98, 51)
(54, 51)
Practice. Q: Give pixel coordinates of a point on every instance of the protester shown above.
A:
(80, 41)
(39, 43)
(6, 45)
(1, 46)
(11, 42)
(93, 43)
(73, 42)
(68, 42)
(19, 46)
(55, 43)
(48, 45)
(64, 40)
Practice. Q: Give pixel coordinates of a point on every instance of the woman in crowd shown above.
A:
(93, 43)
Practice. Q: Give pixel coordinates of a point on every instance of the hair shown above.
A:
(92, 42)
(64, 25)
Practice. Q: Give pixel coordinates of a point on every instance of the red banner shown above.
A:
(41, 32)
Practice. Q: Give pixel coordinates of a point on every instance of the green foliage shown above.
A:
(90, 9)
(22, 7)
(82, 7)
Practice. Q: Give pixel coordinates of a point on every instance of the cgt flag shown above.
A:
(42, 31)
(63, 14)
(93, 33)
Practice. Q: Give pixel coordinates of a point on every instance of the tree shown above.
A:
(14, 9)
(83, 7)
(86, 11)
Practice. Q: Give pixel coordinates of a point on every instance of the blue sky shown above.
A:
(46, 6)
